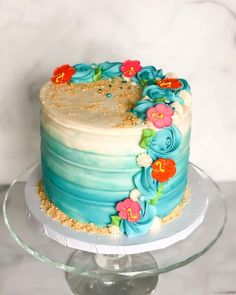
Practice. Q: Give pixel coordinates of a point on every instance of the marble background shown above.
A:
(196, 39)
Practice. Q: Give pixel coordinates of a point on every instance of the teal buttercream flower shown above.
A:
(141, 107)
(145, 183)
(154, 92)
(142, 226)
(110, 69)
(186, 86)
(84, 73)
(164, 143)
(148, 75)
(152, 96)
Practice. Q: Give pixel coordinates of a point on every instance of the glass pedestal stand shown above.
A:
(93, 273)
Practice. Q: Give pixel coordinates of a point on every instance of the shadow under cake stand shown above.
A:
(96, 264)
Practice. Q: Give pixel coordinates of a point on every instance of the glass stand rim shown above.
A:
(47, 250)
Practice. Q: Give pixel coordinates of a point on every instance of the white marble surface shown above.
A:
(213, 273)
(194, 38)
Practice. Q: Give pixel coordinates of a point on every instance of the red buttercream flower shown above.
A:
(129, 68)
(62, 74)
(171, 83)
(129, 209)
(163, 169)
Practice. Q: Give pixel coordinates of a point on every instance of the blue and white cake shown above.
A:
(115, 143)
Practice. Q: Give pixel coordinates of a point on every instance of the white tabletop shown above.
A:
(213, 273)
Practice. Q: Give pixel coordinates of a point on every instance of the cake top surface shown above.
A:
(115, 95)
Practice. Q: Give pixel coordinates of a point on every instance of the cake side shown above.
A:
(89, 170)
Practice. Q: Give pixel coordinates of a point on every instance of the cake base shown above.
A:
(168, 234)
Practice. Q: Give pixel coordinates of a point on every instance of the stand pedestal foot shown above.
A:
(112, 274)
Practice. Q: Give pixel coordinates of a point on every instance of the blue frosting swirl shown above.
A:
(84, 73)
(148, 75)
(148, 213)
(141, 107)
(145, 183)
(110, 69)
(164, 143)
(155, 92)
(185, 85)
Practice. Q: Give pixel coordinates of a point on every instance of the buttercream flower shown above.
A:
(170, 83)
(62, 74)
(164, 143)
(110, 69)
(129, 68)
(186, 96)
(171, 75)
(134, 194)
(145, 183)
(157, 94)
(84, 73)
(160, 115)
(142, 225)
(129, 209)
(144, 160)
(163, 169)
(147, 75)
(141, 107)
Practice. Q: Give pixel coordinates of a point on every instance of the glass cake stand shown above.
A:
(94, 273)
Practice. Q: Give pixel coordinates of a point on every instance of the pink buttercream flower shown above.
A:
(129, 209)
(160, 115)
(129, 68)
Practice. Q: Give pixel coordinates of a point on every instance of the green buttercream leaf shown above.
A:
(115, 220)
(143, 82)
(160, 99)
(146, 136)
(159, 193)
(98, 74)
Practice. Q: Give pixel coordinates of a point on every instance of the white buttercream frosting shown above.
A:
(72, 119)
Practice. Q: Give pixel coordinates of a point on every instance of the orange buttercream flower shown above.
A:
(163, 169)
(171, 83)
(62, 74)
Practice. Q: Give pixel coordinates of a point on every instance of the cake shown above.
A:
(115, 145)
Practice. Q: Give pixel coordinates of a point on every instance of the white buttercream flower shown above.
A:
(134, 194)
(156, 224)
(114, 230)
(127, 79)
(146, 98)
(144, 160)
(187, 97)
(171, 75)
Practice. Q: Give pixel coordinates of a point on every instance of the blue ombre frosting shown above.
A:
(87, 186)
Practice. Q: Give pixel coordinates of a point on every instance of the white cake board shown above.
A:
(191, 217)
